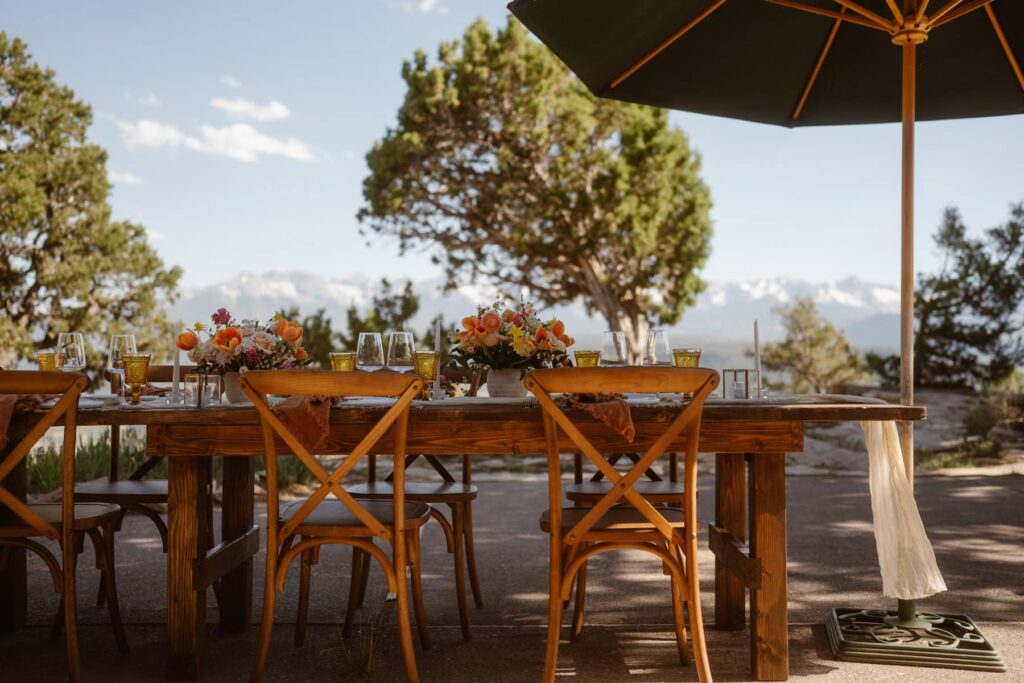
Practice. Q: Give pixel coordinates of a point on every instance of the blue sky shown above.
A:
(236, 133)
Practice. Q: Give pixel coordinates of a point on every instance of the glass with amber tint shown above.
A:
(136, 371)
(587, 358)
(343, 361)
(47, 360)
(426, 367)
(686, 358)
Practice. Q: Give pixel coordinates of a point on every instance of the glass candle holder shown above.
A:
(587, 358)
(686, 358)
(136, 373)
(426, 363)
(343, 361)
(201, 390)
(47, 361)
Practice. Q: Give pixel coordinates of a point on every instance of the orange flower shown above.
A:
(491, 339)
(509, 315)
(470, 322)
(558, 328)
(187, 340)
(288, 330)
(541, 335)
(227, 339)
(567, 340)
(301, 354)
(490, 321)
(545, 346)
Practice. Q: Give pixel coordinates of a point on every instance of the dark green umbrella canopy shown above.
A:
(753, 59)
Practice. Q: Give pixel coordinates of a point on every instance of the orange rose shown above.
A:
(470, 322)
(491, 321)
(301, 354)
(509, 315)
(491, 339)
(558, 328)
(280, 326)
(290, 331)
(567, 340)
(187, 340)
(227, 339)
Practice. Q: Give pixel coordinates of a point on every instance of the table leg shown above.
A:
(13, 577)
(237, 519)
(730, 514)
(186, 541)
(769, 618)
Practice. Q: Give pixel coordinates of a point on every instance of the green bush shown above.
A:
(981, 419)
(92, 461)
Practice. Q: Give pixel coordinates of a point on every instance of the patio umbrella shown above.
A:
(803, 63)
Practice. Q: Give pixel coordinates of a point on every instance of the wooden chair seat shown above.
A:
(589, 492)
(616, 519)
(141, 491)
(333, 514)
(87, 516)
(419, 491)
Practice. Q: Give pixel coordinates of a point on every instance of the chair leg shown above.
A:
(413, 537)
(364, 579)
(554, 611)
(700, 650)
(474, 580)
(303, 615)
(267, 622)
(581, 596)
(460, 570)
(101, 595)
(69, 603)
(354, 589)
(677, 622)
(105, 541)
(402, 605)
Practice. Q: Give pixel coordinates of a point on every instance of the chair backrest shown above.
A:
(259, 384)
(686, 426)
(155, 373)
(68, 386)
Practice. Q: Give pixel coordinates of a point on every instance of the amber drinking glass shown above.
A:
(426, 367)
(587, 358)
(343, 361)
(47, 360)
(136, 372)
(686, 358)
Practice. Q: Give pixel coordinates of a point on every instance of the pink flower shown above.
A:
(221, 317)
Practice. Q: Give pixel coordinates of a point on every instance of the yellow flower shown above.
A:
(199, 327)
(523, 346)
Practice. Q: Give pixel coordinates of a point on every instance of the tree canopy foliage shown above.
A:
(65, 264)
(509, 170)
(969, 316)
(815, 355)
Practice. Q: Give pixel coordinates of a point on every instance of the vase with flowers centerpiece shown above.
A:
(509, 342)
(231, 348)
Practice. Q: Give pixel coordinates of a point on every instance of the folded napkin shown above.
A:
(154, 390)
(15, 403)
(611, 409)
(308, 418)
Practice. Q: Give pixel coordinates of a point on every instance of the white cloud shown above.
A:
(239, 141)
(421, 6)
(231, 81)
(124, 178)
(155, 235)
(247, 109)
(149, 100)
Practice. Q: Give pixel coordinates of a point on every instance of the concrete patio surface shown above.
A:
(975, 523)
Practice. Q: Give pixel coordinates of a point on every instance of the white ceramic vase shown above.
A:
(505, 383)
(233, 388)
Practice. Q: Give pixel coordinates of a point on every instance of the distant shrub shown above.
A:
(92, 461)
(981, 419)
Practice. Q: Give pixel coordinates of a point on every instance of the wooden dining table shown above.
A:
(750, 440)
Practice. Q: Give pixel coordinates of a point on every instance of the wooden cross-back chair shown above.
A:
(67, 522)
(301, 527)
(458, 532)
(579, 533)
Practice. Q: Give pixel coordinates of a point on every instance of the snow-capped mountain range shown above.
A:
(724, 313)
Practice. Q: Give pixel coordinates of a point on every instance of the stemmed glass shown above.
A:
(370, 352)
(120, 344)
(613, 349)
(71, 350)
(400, 352)
(657, 349)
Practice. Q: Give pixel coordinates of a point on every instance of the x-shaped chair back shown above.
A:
(69, 386)
(259, 384)
(701, 382)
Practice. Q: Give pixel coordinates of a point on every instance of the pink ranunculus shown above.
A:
(221, 317)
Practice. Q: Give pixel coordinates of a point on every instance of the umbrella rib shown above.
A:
(1006, 45)
(943, 11)
(921, 8)
(853, 19)
(877, 19)
(665, 43)
(942, 17)
(817, 68)
(896, 13)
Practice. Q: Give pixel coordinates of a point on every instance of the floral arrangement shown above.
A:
(501, 338)
(232, 347)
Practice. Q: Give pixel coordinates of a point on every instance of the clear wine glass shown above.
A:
(658, 349)
(613, 349)
(370, 352)
(71, 351)
(400, 351)
(119, 344)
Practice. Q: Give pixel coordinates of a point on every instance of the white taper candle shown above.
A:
(176, 371)
(757, 357)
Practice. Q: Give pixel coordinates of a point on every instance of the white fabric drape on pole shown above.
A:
(905, 554)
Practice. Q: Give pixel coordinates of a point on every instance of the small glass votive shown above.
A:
(47, 361)
(343, 361)
(426, 363)
(201, 390)
(587, 358)
(136, 373)
(686, 358)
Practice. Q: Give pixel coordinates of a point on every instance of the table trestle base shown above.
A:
(950, 641)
